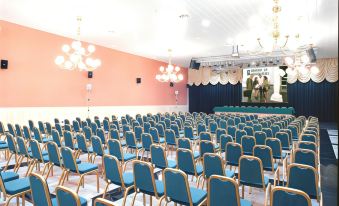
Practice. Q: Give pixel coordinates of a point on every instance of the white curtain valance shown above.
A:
(328, 69)
(206, 75)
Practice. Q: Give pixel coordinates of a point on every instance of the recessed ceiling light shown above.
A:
(184, 16)
(205, 23)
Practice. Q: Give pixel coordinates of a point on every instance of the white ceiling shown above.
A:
(149, 27)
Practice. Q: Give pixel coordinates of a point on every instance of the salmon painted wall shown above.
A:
(33, 79)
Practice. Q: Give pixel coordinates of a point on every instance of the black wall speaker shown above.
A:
(90, 75)
(311, 55)
(138, 80)
(171, 84)
(4, 64)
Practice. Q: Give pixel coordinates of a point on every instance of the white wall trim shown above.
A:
(21, 115)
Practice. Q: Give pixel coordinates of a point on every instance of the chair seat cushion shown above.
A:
(160, 187)
(3, 142)
(245, 202)
(275, 167)
(171, 163)
(45, 140)
(229, 173)
(128, 179)
(195, 138)
(9, 176)
(137, 146)
(16, 186)
(3, 146)
(258, 185)
(123, 143)
(198, 195)
(86, 167)
(129, 156)
(121, 134)
(283, 155)
(83, 201)
(196, 154)
(161, 140)
(199, 169)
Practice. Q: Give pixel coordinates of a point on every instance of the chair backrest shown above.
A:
(307, 145)
(231, 131)
(275, 129)
(201, 127)
(76, 126)
(101, 135)
(114, 148)
(221, 190)
(41, 127)
(144, 177)
(105, 124)
(170, 137)
(26, 133)
(39, 189)
(22, 148)
(284, 140)
(94, 127)
(68, 159)
(206, 147)
(31, 124)
(81, 140)
(36, 150)
(158, 156)
(230, 122)
(58, 127)
(177, 186)
(224, 139)
(97, 145)
(241, 126)
(67, 127)
(11, 143)
(2, 129)
(138, 130)
(306, 157)
(112, 164)
(53, 153)
(18, 130)
(304, 178)
(161, 130)
(188, 131)
(68, 138)
(66, 197)
(233, 152)
(257, 127)
(205, 136)
(175, 128)
(251, 171)
(147, 127)
(155, 135)
(238, 135)
(146, 141)
(264, 153)
(130, 139)
(37, 135)
(260, 137)
(249, 130)
(275, 145)
(185, 161)
(56, 137)
(87, 132)
(223, 124)
(308, 137)
(184, 143)
(268, 132)
(114, 134)
(282, 196)
(213, 165)
(213, 126)
(247, 142)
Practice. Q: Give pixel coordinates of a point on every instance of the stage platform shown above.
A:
(256, 109)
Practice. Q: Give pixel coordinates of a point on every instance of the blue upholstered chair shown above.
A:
(260, 137)
(31, 124)
(23, 152)
(40, 192)
(115, 134)
(224, 139)
(66, 197)
(81, 169)
(238, 135)
(304, 178)
(284, 140)
(264, 153)
(251, 174)
(170, 139)
(155, 135)
(248, 143)
(201, 127)
(213, 165)
(177, 189)
(220, 132)
(309, 138)
(11, 186)
(146, 127)
(26, 133)
(275, 128)
(308, 145)
(230, 122)
(83, 148)
(206, 147)
(223, 124)
(224, 190)
(159, 158)
(284, 196)
(98, 149)
(37, 136)
(116, 176)
(53, 156)
(306, 157)
(268, 132)
(68, 139)
(18, 130)
(101, 135)
(37, 156)
(59, 129)
(145, 182)
(231, 130)
(176, 130)
(233, 152)
(186, 144)
(146, 142)
(189, 133)
(161, 130)
(131, 142)
(56, 138)
(275, 145)
(76, 126)
(213, 126)
(186, 163)
(114, 148)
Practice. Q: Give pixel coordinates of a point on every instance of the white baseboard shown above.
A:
(21, 115)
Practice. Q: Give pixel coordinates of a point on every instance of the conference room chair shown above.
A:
(212, 127)
(115, 134)
(59, 129)
(27, 135)
(249, 130)
(69, 141)
(81, 169)
(304, 178)
(159, 158)
(22, 152)
(248, 143)
(42, 128)
(146, 127)
(185, 143)
(213, 165)
(161, 129)
(98, 149)
(220, 132)
(68, 127)
(309, 138)
(285, 196)
(260, 137)
(230, 122)
(176, 130)
(275, 145)
(201, 127)
(268, 131)
(251, 174)
(178, 190)
(76, 126)
(233, 152)
(290, 135)
(138, 130)
(170, 140)
(83, 147)
(306, 157)
(146, 142)
(206, 147)
(264, 153)
(231, 130)
(115, 149)
(264, 124)
(224, 139)
(37, 157)
(186, 163)
(101, 134)
(93, 127)
(18, 130)
(12, 186)
(239, 134)
(66, 121)
(131, 142)
(31, 124)
(155, 135)
(257, 127)
(241, 126)
(103, 202)
(286, 145)
(223, 124)
(56, 138)
(205, 136)
(145, 182)
(37, 136)
(308, 145)
(67, 197)
(275, 128)
(189, 133)
(224, 190)
(116, 176)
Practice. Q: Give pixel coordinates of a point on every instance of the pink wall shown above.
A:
(33, 79)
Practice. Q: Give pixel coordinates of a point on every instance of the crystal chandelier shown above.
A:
(76, 56)
(170, 73)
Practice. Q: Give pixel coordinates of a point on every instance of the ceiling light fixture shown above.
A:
(170, 73)
(77, 57)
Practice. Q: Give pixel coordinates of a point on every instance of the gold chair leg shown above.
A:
(78, 187)
(23, 199)
(97, 181)
(9, 159)
(134, 198)
(62, 175)
(243, 191)
(105, 191)
(125, 195)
